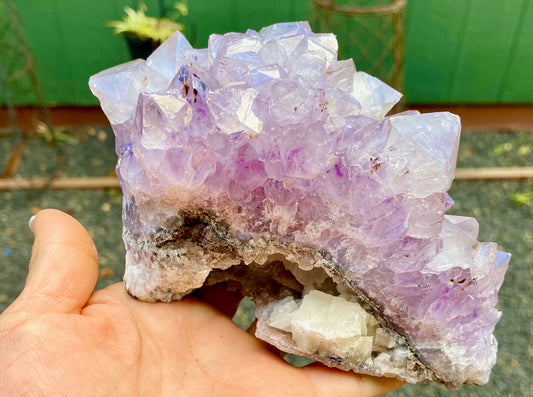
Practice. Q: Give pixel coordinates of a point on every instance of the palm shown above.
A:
(188, 346)
(109, 344)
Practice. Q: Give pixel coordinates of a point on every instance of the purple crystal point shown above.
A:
(265, 163)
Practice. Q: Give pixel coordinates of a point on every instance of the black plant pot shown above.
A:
(141, 48)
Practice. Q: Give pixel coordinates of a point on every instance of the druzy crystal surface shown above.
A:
(265, 163)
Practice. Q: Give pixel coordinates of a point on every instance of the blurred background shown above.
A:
(471, 57)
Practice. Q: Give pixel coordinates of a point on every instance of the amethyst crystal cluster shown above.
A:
(265, 163)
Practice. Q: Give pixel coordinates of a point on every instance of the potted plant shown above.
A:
(144, 33)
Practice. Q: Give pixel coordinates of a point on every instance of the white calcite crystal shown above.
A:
(326, 324)
(265, 163)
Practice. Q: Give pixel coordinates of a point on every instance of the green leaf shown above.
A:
(137, 23)
(525, 198)
(502, 148)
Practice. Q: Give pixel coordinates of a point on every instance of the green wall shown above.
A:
(457, 51)
(469, 51)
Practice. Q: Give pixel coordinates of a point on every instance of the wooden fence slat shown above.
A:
(515, 88)
(432, 41)
(110, 182)
(89, 183)
(494, 173)
(485, 48)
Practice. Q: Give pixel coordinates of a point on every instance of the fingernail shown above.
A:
(30, 221)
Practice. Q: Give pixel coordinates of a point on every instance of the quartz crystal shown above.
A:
(265, 163)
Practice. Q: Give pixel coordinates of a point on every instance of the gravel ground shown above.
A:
(504, 210)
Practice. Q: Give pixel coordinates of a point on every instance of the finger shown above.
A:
(226, 302)
(63, 268)
(330, 381)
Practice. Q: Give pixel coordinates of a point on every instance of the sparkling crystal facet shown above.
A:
(265, 162)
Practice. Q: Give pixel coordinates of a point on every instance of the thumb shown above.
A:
(63, 267)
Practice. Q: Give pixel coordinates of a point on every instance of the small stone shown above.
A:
(106, 272)
(102, 135)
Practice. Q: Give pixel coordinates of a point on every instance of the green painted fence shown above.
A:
(457, 51)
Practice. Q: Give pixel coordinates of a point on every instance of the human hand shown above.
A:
(60, 338)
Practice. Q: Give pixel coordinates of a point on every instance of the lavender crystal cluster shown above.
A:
(264, 154)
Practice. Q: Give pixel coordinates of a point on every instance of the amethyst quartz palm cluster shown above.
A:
(265, 163)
